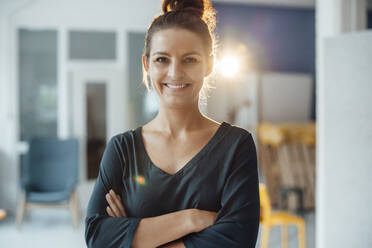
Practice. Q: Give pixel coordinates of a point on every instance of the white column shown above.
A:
(2, 68)
(9, 164)
(8, 158)
(62, 83)
(333, 17)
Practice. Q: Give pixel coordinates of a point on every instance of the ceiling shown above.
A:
(286, 3)
(4, 4)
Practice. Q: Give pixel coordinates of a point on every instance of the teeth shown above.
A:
(178, 86)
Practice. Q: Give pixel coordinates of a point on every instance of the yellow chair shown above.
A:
(269, 219)
(270, 134)
(299, 133)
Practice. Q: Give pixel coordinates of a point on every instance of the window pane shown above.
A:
(88, 45)
(38, 83)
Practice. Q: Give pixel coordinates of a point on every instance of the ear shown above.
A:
(210, 65)
(144, 63)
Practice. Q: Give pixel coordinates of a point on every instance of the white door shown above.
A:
(109, 79)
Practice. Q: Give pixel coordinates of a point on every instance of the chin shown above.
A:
(178, 103)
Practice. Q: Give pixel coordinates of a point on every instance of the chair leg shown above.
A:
(265, 236)
(301, 236)
(74, 207)
(21, 210)
(284, 236)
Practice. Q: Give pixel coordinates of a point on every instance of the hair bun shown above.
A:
(203, 8)
(184, 5)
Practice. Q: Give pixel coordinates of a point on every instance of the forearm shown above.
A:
(159, 230)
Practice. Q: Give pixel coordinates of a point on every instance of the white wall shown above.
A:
(228, 93)
(341, 168)
(286, 97)
(344, 198)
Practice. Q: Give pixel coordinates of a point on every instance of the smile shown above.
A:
(176, 86)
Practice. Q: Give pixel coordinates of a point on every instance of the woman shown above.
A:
(181, 180)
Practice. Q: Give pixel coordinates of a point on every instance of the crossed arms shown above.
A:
(156, 231)
(236, 223)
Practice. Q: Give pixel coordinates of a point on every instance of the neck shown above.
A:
(177, 121)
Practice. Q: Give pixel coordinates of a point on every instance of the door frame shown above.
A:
(115, 103)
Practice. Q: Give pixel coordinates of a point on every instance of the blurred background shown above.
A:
(296, 74)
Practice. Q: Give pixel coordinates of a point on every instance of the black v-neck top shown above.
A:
(222, 177)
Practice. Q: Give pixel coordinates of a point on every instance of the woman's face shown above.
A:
(177, 66)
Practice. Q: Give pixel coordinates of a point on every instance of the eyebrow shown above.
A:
(186, 54)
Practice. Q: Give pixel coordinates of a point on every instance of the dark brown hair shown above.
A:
(197, 16)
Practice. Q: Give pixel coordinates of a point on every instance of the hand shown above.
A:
(115, 208)
(202, 219)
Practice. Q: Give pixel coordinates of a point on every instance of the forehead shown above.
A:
(175, 40)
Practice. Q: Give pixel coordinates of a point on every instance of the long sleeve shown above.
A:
(102, 230)
(238, 219)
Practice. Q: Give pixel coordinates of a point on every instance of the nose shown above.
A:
(176, 70)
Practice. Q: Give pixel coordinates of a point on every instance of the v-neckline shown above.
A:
(216, 136)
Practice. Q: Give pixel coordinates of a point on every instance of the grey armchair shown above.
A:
(49, 176)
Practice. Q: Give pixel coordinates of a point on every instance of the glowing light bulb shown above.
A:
(229, 66)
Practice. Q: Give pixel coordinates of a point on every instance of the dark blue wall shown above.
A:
(280, 39)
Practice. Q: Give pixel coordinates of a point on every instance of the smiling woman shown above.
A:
(177, 66)
(181, 180)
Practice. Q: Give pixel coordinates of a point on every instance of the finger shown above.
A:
(121, 206)
(125, 213)
(118, 203)
(109, 212)
(113, 206)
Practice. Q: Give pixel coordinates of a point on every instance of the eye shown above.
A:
(190, 60)
(161, 60)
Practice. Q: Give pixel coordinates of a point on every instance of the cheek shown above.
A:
(156, 74)
(197, 75)
(156, 78)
